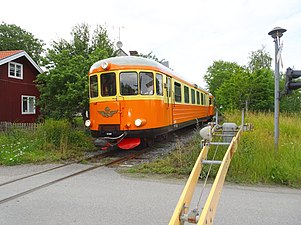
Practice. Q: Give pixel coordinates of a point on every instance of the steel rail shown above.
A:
(116, 161)
(56, 167)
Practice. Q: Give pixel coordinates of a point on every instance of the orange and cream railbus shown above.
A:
(133, 100)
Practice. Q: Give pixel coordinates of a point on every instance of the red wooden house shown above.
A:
(18, 92)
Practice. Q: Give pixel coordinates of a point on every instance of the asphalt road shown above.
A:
(103, 196)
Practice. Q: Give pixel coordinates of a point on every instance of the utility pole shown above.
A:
(276, 34)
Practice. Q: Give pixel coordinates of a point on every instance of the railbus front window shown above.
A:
(146, 83)
(93, 86)
(128, 83)
(108, 84)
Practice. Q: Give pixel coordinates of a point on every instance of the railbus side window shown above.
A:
(197, 97)
(128, 83)
(192, 96)
(202, 99)
(178, 95)
(93, 86)
(108, 84)
(159, 84)
(186, 94)
(146, 83)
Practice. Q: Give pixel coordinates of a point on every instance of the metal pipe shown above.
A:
(276, 98)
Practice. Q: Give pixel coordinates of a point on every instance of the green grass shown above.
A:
(255, 161)
(54, 141)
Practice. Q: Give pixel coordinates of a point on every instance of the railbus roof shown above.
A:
(125, 62)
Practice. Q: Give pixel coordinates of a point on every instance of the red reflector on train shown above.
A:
(129, 143)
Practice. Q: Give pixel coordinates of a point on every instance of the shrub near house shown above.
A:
(18, 90)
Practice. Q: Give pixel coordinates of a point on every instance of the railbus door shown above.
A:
(109, 106)
(168, 100)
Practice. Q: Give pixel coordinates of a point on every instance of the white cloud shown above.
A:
(189, 34)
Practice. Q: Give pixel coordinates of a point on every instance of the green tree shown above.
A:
(261, 80)
(290, 103)
(13, 37)
(64, 87)
(261, 90)
(220, 72)
(231, 94)
(233, 85)
(255, 88)
(259, 59)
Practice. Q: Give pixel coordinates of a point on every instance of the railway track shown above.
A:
(47, 184)
(101, 155)
(121, 157)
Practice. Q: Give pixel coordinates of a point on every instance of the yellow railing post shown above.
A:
(209, 210)
(187, 193)
(210, 207)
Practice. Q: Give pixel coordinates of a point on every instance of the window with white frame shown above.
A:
(15, 70)
(28, 104)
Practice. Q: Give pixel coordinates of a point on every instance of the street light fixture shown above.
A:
(276, 34)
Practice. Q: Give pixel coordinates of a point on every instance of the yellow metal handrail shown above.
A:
(189, 188)
(209, 210)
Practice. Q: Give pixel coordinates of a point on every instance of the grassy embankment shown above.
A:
(255, 161)
(54, 141)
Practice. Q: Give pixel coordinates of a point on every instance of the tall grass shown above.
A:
(55, 140)
(256, 160)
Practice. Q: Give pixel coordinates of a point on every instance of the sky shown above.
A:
(190, 34)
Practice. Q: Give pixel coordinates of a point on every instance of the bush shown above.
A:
(53, 141)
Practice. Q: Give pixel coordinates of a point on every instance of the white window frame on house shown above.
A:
(14, 67)
(30, 107)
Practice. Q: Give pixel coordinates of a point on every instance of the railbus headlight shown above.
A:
(140, 122)
(88, 123)
(105, 65)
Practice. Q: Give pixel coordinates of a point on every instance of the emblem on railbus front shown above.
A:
(107, 112)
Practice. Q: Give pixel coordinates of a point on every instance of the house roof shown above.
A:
(4, 54)
(120, 52)
(7, 56)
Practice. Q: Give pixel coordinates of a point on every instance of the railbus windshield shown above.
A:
(128, 83)
(93, 86)
(108, 84)
(146, 83)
